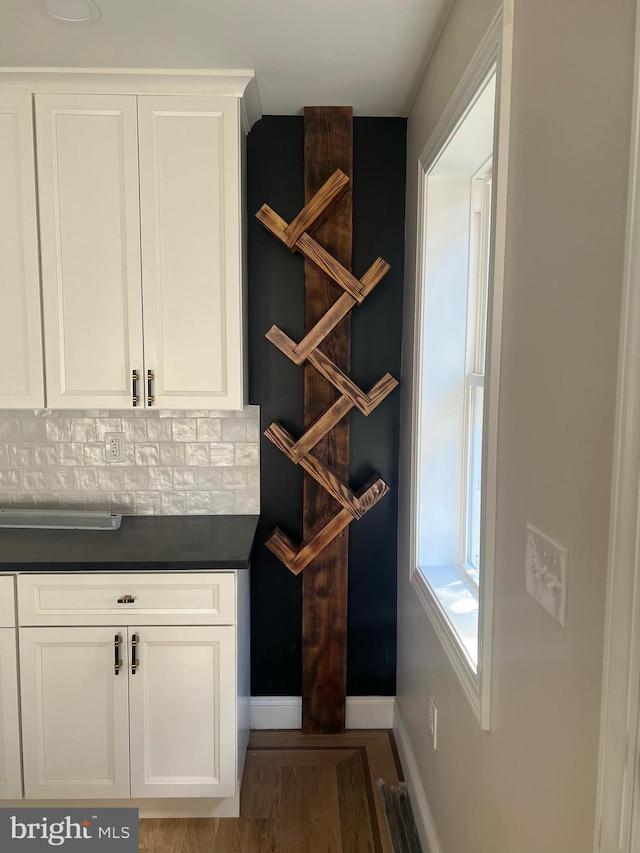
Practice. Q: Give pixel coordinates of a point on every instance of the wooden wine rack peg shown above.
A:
(300, 240)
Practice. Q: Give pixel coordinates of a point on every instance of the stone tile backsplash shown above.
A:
(176, 462)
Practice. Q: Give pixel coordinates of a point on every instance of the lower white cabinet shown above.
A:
(10, 770)
(182, 712)
(127, 712)
(129, 709)
(75, 715)
(10, 773)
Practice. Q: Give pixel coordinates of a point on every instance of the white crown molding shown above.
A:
(285, 712)
(421, 811)
(239, 83)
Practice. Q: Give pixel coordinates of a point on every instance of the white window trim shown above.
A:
(495, 49)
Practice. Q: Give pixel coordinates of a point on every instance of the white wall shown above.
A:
(529, 784)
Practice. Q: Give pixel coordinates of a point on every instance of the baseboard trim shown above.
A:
(421, 811)
(276, 712)
(191, 807)
(285, 712)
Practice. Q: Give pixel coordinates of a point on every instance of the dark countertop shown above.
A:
(142, 542)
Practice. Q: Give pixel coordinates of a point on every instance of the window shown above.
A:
(458, 314)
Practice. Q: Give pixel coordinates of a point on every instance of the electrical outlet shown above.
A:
(546, 565)
(114, 446)
(433, 722)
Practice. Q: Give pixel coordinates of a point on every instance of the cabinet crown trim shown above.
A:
(235, 83)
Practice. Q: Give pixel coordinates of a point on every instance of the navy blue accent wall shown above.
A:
(275, 175)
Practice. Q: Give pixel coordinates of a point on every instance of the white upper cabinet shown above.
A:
(21, 379)
(140, 219)
(88, 194)
(191, 250)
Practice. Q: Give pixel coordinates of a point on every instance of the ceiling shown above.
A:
(369, 54)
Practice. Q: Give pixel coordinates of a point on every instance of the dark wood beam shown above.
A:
(328, 140)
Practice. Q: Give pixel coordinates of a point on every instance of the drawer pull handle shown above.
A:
(126, 599)
(117, 642)
(135, 663)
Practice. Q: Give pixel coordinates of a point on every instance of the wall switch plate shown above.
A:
(433, 722)
(114, 446)
(546, 567)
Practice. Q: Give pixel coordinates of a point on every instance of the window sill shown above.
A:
(451, 603)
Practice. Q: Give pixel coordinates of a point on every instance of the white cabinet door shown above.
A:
(191, 250)
(21, 376)
(183, 723)
(87, 156)
(74, 713)
(10, 772)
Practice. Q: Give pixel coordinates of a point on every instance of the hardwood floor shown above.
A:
(300, 794)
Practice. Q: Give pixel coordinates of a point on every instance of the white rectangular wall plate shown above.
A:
(114, 446)
(546, 573)
(433, 722)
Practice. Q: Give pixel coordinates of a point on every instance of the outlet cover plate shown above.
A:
(114, 447)
(546, 573)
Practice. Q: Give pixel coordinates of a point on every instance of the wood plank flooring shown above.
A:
(300, 794)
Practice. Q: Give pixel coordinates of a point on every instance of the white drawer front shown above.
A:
(127, 598)
(7, 603)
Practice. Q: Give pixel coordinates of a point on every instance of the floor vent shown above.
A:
(399, 818)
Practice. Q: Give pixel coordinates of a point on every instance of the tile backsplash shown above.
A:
(176, 462)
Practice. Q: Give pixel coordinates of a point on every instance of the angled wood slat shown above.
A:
(273, 222)
(318, 470)
(365, 402)
(315, 211)
(298, 558)
(311, 214)
(295, 236)
(340, 309)
(285, 550)
(313, 251)
(333, 415)
(298, 353)
(319, 428)
(321, 472)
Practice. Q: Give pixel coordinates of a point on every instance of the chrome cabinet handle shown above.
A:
(150, 378)
(135, 663)
(134, 387)
(117, 663)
